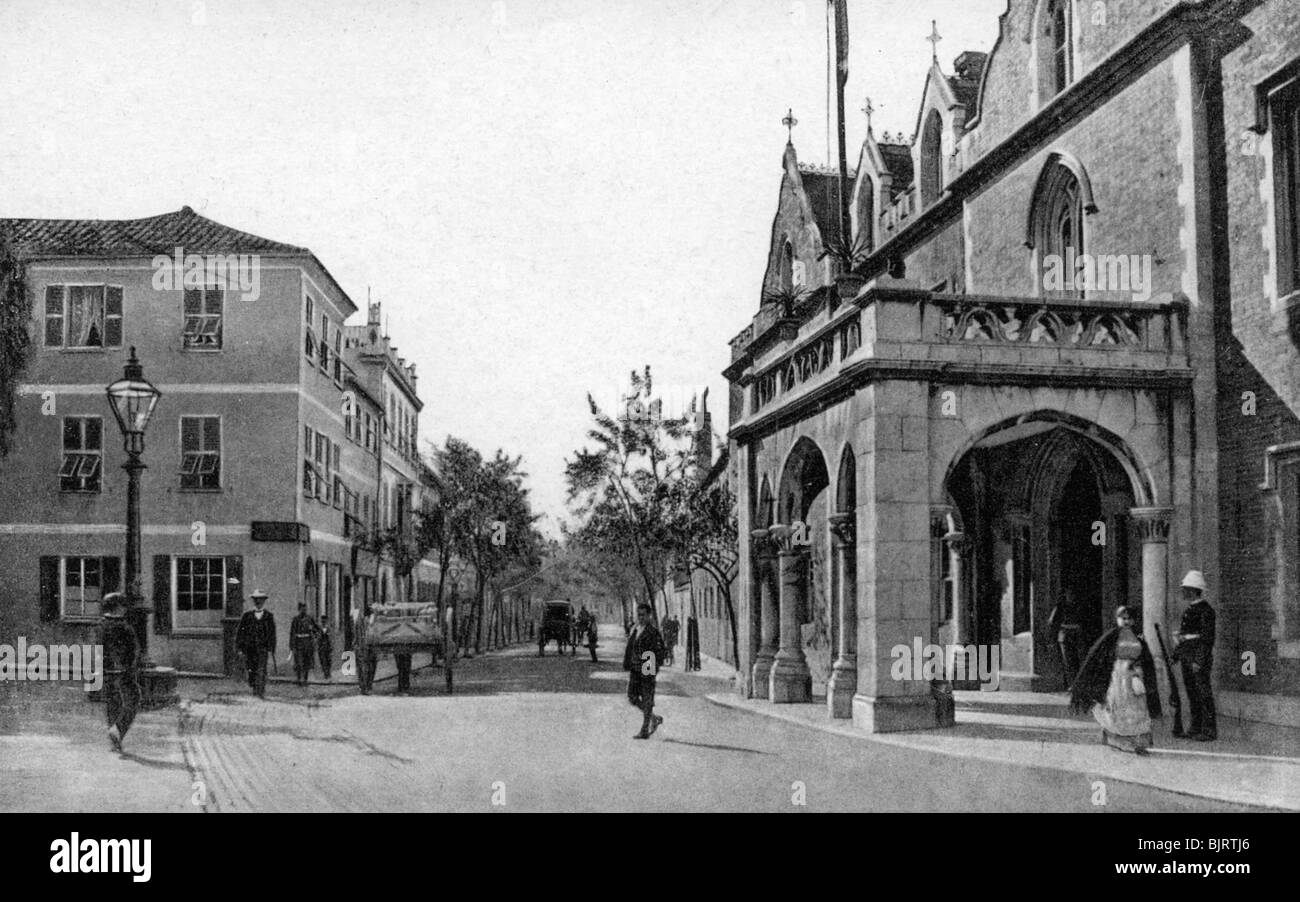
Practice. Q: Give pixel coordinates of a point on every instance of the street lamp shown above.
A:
(133, 400)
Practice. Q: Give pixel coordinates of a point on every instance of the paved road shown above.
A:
(523, 733)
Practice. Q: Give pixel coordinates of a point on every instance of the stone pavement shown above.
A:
(1250, 763)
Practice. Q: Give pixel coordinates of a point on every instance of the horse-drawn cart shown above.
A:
(403, 629)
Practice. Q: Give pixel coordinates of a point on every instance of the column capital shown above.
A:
(1152, 523)
(763, 542)
(843, 527)
(789, 539)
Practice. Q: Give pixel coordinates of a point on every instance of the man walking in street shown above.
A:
(1195, 654)
(302, 643)
(121, 669)
(325, 649)
(641, 659)
(255, 639)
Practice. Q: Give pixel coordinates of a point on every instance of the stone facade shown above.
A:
(964, 446)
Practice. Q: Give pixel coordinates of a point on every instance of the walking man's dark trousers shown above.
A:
(121, 672)
(255, 639)
(641, 659)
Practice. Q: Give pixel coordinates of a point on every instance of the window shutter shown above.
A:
(113, 316)
(53, 316)
(49, 588)
(111, 578)
(162, 594)
(234, 570)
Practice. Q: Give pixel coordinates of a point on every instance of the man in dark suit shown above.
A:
(121, 668)
(1195, 654)
(641, 659)
(302, 642)
(255, 639)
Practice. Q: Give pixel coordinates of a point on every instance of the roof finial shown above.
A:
(934, 38)
(868, 109)
(790, 122)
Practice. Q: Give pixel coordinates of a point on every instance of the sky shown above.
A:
(543, 194)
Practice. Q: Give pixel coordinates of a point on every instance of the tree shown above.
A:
(624, 485)
(707, 531)
(485, 519)
(15, 340)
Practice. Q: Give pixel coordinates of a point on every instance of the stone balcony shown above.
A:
(894, 329)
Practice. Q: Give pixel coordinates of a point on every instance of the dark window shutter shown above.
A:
(111, 570)
(162, 594)
(53, 316)
(234, 570)
(49, 588)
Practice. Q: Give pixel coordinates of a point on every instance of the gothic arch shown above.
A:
(803, 479)
(846, 483)
(1057, 172)
(930, 177)
(1137, 476)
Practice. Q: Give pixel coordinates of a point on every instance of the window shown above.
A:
(1284, 115)
(322, 468)
(324, 343)
(200, 595)
(1062, 25)
(83, 316)
(1057, 229)
(786, 273)
(203, 317)
(308, 468)
(866, 213)
(932, 159)
(83, 452)
(370, 434)
(83, 582)
(309, 347)
(338, 355)
(200, 452)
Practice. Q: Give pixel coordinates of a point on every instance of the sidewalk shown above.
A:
(1250, 764)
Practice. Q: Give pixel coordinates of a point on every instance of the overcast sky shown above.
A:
(544, 194)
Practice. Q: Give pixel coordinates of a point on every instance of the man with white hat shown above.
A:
(255, 639)
(1195, 652)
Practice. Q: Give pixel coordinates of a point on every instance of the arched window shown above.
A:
(866, 213)
(931, 159)
(1056, 62)
(1061, 201)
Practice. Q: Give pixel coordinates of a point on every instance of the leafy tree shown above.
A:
(707, 533)
(624, 485)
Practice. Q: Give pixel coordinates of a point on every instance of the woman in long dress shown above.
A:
(1117, 685)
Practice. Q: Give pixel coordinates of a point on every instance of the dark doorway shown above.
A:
(1080, 549)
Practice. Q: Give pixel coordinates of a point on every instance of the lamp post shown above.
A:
(133, 400)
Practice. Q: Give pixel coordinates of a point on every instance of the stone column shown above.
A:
(843, 682)
(1152, 524)
(765, 557)
(790, 679)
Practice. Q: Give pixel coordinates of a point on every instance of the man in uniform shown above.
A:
(302, 642)
(1195, 654)
(121, 668)
(255, 639)
(325, 649)
(641, 659)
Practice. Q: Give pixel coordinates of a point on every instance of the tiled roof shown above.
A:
(898, 160)
(822, 188)
(136, 237)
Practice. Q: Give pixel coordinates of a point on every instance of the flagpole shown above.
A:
(841, 78)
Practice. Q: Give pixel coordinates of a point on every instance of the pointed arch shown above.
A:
(846, 483)
(931, 174)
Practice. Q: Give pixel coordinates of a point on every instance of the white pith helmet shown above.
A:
(1194, 579)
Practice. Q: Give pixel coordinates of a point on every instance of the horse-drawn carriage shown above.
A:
(556, 623)
(403, 629)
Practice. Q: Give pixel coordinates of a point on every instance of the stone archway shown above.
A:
(800, 531)
(1045, 501)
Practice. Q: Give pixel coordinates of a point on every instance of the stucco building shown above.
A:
(272, 449)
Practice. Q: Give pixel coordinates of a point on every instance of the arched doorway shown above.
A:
(1045, 504)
